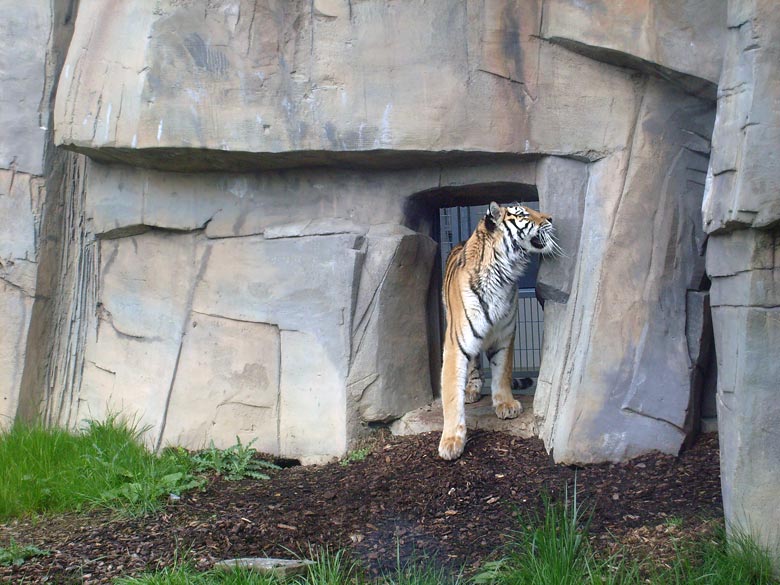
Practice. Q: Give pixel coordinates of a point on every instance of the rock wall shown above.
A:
(33, 40)
(616, 375)
(217, 306)
(741, 216)
(245, 85)
(279, 299)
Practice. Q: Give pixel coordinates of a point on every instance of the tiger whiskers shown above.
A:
(555, 250)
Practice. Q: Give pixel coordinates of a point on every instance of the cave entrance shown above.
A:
(449, 215)
(456, 224)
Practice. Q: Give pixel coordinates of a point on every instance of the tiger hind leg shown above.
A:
(473, 381)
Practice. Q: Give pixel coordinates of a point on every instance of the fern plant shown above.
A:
(234, 463)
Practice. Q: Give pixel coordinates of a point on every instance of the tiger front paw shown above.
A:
(509, 409)
(451, 447)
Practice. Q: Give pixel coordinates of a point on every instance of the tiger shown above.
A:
(479, 294)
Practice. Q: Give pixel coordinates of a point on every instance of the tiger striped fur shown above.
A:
(480, 304)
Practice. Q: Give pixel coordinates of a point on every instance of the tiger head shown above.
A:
(522, 228)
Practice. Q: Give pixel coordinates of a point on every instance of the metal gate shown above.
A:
(456, 225)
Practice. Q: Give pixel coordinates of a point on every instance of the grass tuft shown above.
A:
(555, 549)
(551, 548)
(718, 560)
(331, 568)
(106, 464)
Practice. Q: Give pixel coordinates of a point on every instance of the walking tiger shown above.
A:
(480, 304)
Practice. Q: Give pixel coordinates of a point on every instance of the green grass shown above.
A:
(718, 560)
(106, 464)
(551, 548)
(184, 574)
(555, 549)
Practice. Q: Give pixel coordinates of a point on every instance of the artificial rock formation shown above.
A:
(235, 233)
(741, 216)
(33, 41)
(277, 293)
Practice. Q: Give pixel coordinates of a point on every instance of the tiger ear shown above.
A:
(493, 215)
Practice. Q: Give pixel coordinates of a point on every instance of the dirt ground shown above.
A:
(401, 499)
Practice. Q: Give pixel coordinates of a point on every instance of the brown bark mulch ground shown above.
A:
(401, 500)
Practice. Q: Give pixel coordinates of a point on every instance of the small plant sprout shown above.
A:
(355, 456)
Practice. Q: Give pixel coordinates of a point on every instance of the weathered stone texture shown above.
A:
(616, 376)
(20, 208)
(245, 331)
(681, 41)
(747, 418)
(741, 212)
(33, 38)
(289, 305)
(390, 357)
(188, 87)
(562, 185)
(24, 42)
(226, 385)
(144, 291)
(744, 176)
(745, 299)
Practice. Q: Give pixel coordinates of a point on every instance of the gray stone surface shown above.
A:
(562, 185)
(677, 40)
(746, 317)
(131, 354)
(24, 43)
(479, 415)
(741, 210)
(195, 88)
(744, 177)
(298, 284)
(20, 208)
(389, 355)
(15, 312)
(313, 401)
(226, 385)
(748, 412)
(24, 106)
(615, 379)
(278, 568)
(701, 352)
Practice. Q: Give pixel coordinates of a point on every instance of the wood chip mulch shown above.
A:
(401, 500)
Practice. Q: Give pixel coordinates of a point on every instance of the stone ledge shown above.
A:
(196, 160)
(479, 415)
